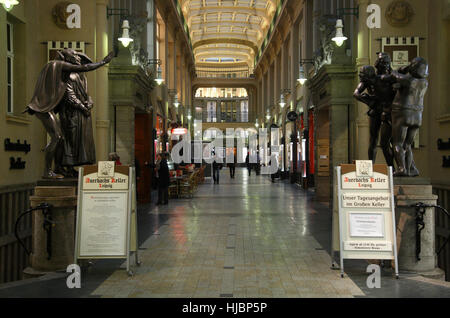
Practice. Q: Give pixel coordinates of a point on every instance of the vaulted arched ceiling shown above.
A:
(228, 28)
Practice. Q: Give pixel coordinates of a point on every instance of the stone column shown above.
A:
(408, 192)
(284, 65)
(362, 121)
(151, 29)
(295, 57)
(125, 139)
(277, 82)
(183, 78)
(174, 61)
(103, 123)
(61, 196)
(166, 52)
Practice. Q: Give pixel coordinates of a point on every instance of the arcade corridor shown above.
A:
(245, 237)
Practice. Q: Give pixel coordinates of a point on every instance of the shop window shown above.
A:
(10, 67)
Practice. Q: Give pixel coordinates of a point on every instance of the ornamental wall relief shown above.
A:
(399, 13)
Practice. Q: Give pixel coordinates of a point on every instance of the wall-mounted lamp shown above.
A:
(257, 123)
(340, 38)
(159, 80)
(302, 79)
(282, 102)
(9, 4)
(268, 116)
(124, 14)
(176, 103)
(125, 39)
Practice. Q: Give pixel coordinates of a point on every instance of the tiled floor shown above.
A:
(245, 237)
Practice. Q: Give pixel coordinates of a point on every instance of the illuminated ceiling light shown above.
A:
(125, 39)
(159, 78)
(176, 103)
(302, 77)
(9, 4)
(282, 103)
(339, 39)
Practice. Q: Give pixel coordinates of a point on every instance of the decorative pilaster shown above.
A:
(102, 100)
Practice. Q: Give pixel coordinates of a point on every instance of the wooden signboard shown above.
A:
(364, 202)
(106, 213)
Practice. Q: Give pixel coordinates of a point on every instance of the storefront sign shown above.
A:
(179, 131)
(105, 178)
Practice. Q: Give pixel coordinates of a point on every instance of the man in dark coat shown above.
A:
(163, 181)
(216, 171)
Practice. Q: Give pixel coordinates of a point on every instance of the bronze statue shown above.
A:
(62, 89)
(411, 84)
(379, 98)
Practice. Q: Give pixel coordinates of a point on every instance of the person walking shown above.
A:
(249, 165)
(232, 167)
(216, 171)
(163, 181)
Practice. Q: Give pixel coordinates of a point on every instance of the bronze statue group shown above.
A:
(395, 100)
(62, 103)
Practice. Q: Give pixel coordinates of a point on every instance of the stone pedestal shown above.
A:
(409, 191)
(61, 196)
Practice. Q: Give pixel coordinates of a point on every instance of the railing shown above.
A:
(224, 73)
(443, 228)
(13, 258)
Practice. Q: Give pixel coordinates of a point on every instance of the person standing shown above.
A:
(114, 156)
(137, 175)
(163, 181)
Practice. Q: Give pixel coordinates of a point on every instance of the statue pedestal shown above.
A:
(61, 196)
(409, 191)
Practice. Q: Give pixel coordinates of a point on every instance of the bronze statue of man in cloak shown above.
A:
(62, 89)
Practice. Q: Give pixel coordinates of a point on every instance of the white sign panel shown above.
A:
(380, 246)
(366, 225)
(364, 201)
(104, 224)
(369, 200)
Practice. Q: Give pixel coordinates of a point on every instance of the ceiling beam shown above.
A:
(223, 35)
(247, 43)
(222, 51)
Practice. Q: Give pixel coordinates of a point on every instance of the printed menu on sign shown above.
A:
(104, 224)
